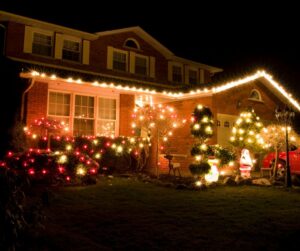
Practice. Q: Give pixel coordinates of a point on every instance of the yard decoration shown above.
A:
(207, 157)
(155, 123)
(246, 163)
(201, 129)
(245, 136)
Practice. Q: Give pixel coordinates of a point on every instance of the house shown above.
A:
(93, 81)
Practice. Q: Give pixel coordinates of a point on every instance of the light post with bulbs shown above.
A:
(285, 116)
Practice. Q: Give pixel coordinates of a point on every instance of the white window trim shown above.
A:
(134, 40)
(59, 116)
(147, 64)
(72, 108)
(117, 121)
(41, 31)
(127, 59)
(259, 96)
(46, 33)
(73, 39)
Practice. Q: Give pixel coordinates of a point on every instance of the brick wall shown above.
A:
(182, 140)
(126, 109)
(37, 102)
(98, 55)
(226, 102)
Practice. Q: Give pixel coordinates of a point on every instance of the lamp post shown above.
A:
(285, 116)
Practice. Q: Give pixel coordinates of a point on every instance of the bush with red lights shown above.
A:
(57, 157)
(50, 167)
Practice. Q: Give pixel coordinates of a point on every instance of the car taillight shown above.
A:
(44, 171)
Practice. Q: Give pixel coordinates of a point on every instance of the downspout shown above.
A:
(23, 99)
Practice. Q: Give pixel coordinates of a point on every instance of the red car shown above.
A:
(294, 158)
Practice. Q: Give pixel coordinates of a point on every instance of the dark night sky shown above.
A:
(239, 38)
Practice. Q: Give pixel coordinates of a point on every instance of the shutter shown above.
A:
(110, 50)
(86, 52)
(58, 46)
(132, 62)
(186, 74)
(170, 75)
(201, 76)
(28, 38)
(152, 67)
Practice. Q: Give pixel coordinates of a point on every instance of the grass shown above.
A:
(124, 214)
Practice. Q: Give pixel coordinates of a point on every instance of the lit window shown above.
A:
(106, 120)
(141, 65)
(218, 123)
(71, 50)
(255, 95)
(177, 74)
(42, 44)
(119, 61)
(59, 106)
(193, 77)
(84, 115)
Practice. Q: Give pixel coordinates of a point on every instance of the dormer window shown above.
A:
(255, 95)
(132, 43)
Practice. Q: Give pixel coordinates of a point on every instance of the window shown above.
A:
(84, 115)
(59, 106)
(132, 43)
(106, 119)
(177, 74)
(71, 50)
(141, 65)
(193, 77)
(218, 123)
(42, 44)
(226, 124)
(119, 61)
(255, 95)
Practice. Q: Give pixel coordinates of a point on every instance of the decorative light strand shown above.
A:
(178, 95)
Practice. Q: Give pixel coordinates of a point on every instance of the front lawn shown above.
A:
(124, 214)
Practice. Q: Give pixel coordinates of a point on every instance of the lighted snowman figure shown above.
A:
(245, 163)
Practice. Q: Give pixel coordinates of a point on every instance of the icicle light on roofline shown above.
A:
(216, 89)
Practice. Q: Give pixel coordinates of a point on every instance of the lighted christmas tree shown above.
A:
(245, 133)
(201, 129)
(245, 137)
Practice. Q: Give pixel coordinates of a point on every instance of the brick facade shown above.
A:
(126, 108)
(98, 55)
(37, 99)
